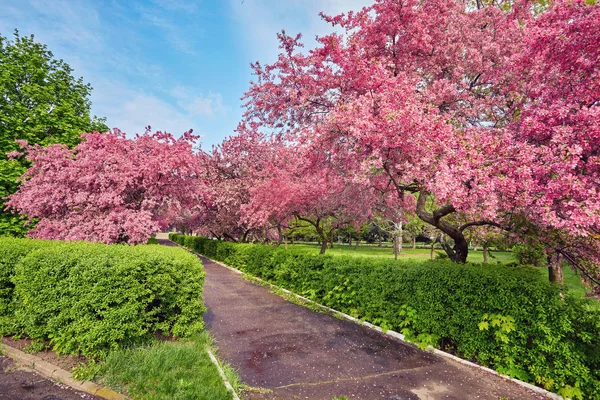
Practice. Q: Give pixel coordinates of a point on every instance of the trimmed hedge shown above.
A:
(90, 298)
(11, 252)
(507, 318)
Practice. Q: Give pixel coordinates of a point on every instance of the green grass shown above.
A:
(407, 253)
(166, 371)
(572, 279)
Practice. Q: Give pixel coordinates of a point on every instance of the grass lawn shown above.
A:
(166, 371)
(407, 252)
(572, 280)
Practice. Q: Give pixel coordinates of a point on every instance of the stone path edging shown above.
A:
(222, 373)
(60, 375)
(391, 333)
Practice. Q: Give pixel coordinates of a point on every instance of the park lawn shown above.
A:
(572, 279)
(422, 254)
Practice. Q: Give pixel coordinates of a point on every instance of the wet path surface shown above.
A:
(301, 354)
(21, 384)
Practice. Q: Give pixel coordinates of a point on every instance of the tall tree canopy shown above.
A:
(490, 111)
(40, 102)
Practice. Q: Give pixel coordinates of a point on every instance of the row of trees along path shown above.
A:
(474, 116)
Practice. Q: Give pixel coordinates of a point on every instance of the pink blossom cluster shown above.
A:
(109, 188)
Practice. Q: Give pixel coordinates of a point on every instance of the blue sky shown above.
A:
(171, 64)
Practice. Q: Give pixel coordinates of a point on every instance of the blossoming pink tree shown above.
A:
(316, 194)
(109, 188)
(478, 108)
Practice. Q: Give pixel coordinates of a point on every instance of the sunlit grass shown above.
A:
(166, 371)
(407, 252)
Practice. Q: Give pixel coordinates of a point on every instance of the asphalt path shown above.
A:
(296, 353)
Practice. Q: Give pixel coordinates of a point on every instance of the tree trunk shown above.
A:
(431, 252)
(400, 238)
(397, 245)
(485, 253)
(459, 252)
(323, 246)
(245, 236)
(357, 243)
(555, 270)
(350, 241)
(280, 236)
(414, 242)
(397, 239)
(379, 242)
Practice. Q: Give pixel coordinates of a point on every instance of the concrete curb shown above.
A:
(391, 333)
(58, 374)
(222, 373)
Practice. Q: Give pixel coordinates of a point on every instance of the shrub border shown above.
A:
(389, 332)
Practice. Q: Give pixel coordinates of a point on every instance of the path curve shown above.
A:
(297, 353)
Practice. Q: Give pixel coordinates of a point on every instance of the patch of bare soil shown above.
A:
(66, 362)
(20, 384)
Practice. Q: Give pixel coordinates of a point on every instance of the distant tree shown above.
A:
(40, 102)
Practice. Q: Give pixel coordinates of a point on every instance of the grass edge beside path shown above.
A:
(169, 370)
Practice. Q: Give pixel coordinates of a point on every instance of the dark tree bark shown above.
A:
(460, 250)
(322, 236)
(323, 246)
(279, 236)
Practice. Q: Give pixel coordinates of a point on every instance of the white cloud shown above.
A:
(141, 110)
(207, 106)
(130, 91)
(261, 20)
(210, 105)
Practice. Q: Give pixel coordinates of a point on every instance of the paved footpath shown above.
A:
(297, 353)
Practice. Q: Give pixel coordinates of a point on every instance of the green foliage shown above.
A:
(11, 252)
(508, 318)
(41, 102)
(88, 371)
(90, 298)
(529, 254)
(35, 347)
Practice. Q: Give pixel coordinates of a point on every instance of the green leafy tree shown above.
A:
(40, 102)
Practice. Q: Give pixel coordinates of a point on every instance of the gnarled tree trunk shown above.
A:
(460, 250)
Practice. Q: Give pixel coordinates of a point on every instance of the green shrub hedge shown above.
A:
(90, 298)
(507, 318)
(11, 252)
